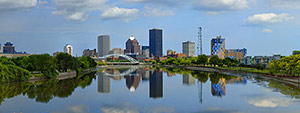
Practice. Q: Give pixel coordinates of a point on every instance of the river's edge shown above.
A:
(295, 83)
(62, 76)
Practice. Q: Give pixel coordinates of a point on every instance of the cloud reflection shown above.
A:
(74, 109)
(131, 108)
(271, 102)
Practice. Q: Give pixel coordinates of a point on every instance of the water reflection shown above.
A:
(188, 80)
(156, 84)
(103, 83)
(44, 91)
(143, 85)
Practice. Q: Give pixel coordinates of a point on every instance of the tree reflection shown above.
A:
(46, 90)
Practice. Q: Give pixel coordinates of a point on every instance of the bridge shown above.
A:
(125, 73)
(130, 59)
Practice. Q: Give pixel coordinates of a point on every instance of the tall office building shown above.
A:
(236, 53)
(103, 83)
(156, 84)
(132, 46)
(103, 45)
(68, 49)
(218, 47)
(188, 48)
(8, 48)
(146, 51)
(156, 42)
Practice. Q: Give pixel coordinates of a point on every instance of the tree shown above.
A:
(202, 59)
(44, 64)
(64, 62)
(214, 60)
(296, 52)
(274, 67)
(230, 62)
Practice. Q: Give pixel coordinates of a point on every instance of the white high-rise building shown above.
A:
(103, 45)
(188, 48)
(68, 49)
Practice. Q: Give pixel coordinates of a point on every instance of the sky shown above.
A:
(264, 27)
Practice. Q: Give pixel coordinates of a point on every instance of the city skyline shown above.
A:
(259, 26)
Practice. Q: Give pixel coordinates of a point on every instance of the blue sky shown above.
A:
(264, 27)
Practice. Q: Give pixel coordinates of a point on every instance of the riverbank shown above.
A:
(288, 80)
(62, 76)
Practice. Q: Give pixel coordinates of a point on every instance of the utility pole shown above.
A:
(199, 47)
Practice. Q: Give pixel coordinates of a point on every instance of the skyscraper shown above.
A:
(68, 49)
(8, 48)
(218, 47)
(188, 48)
(132, 46)
(156, 42)
(103, 45)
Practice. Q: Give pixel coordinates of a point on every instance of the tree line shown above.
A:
(201, 60)
(22, 68)
(289, 65)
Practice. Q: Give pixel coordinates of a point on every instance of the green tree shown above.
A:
(296, 52)
(202, 59)
(214, 60)
(64, 62)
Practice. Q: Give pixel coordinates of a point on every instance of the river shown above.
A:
(139, 89)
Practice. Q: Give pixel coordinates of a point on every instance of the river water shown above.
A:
(133, 89)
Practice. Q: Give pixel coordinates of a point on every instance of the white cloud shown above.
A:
(157, 12)
(291, 4)
(220, 5)
(8, 5)
(210, 6)
(268, 18)
(78, 10)
(120, 13)
(267, 30)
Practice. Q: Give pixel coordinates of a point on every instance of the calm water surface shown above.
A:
(151, 90)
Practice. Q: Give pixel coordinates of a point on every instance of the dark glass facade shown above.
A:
(8, 48)
(156, 42)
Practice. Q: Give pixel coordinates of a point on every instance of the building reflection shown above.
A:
(188, 80)
(103, 83)
(156, 84)
(132, 82)
(219, 89)
(238, 80)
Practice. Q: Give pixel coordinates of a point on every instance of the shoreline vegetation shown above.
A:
(285, 70)
(286, 67)
(43, 67)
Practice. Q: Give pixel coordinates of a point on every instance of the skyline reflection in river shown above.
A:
(134, 75)
(151, 89)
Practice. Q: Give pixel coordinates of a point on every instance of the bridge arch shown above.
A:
(131, 60)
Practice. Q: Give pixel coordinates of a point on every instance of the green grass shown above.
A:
(245, 69)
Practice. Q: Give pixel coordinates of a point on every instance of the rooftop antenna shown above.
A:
(199, 48)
